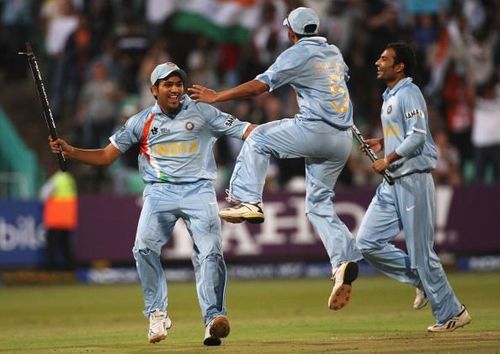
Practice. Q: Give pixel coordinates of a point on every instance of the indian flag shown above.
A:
(221, 20)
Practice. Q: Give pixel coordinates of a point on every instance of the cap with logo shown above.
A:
(164, 70)
(301, 21)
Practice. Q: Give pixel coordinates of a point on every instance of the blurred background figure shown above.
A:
(486, 132)
(448, 162)
(223, 43)
(96, 115)
(16, 19)
(60, 219)
(127, 179)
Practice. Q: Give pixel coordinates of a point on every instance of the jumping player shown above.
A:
(320, 132)
(176, 138)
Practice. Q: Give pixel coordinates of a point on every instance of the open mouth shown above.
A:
(173, 99)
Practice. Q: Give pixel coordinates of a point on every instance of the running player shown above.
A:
(408, 205)
(176, 138)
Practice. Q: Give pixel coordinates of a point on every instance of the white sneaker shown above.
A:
(342, 289)
(217, 328)
(420, 299)
(251, 212)
(460, 320)
(159, 322)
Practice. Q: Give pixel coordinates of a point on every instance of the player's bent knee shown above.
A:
(213, 256)
(365, 246)
(144, 253)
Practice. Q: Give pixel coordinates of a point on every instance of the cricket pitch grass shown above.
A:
(267, 316)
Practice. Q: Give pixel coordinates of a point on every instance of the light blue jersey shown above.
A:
(403, 113)
(320, 133)
(178, 152)
(408, 205)
(316, 70)
(179, 149)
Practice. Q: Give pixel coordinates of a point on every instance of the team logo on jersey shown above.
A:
(415, 113)
(229, 121)
(189, 126)
(154, 130)
(389, 109)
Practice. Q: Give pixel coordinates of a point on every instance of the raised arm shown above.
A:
(98, 157)
(248, 89)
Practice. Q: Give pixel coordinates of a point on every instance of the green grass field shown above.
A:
(267, 316)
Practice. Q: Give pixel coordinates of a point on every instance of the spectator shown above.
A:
(61, 20)
(458, 112)
(447, 169)
(132, 43)
(486, 131)
(60, 219)
(98, 106)
(97, 109)
(16, 19)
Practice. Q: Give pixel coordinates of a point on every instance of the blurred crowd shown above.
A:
(97, 56)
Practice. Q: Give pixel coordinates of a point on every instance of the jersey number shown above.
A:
(341, 104)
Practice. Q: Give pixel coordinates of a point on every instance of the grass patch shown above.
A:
(267, 316)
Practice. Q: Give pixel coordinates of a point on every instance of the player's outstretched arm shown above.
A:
(98, 157)
(248, 89)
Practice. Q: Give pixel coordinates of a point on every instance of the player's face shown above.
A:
(387, 70)
(169, 93)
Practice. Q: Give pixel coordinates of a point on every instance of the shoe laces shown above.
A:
(230, 198)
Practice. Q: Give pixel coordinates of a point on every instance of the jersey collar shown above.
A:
(401, 83)
(314, 39)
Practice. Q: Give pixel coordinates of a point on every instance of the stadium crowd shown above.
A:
(97, 56)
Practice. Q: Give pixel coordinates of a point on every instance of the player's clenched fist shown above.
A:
(60, 145)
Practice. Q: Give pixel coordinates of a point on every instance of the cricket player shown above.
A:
(320, 133)
(408, 205)
(176, 138)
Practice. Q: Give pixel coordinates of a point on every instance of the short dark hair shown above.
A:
(403, 54)
(310, 32)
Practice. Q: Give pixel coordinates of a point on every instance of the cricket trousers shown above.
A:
(326, 150)
(408, 206)
(196, 204)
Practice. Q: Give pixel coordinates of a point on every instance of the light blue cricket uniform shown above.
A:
(320, 133)
(409, 204)
(177, 164)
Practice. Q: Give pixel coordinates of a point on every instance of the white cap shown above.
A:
(301, 17)
(166, 69)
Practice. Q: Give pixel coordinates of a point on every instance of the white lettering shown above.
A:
(23, 235)
(269, 234)
(239, 238)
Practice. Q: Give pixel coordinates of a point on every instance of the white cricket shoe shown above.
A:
(251, 212)
(420, 299)
(159, 322)
(217, 328)
(460, 320)
(342, 288)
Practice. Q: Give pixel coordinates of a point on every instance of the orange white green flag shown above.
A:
(220, 20)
